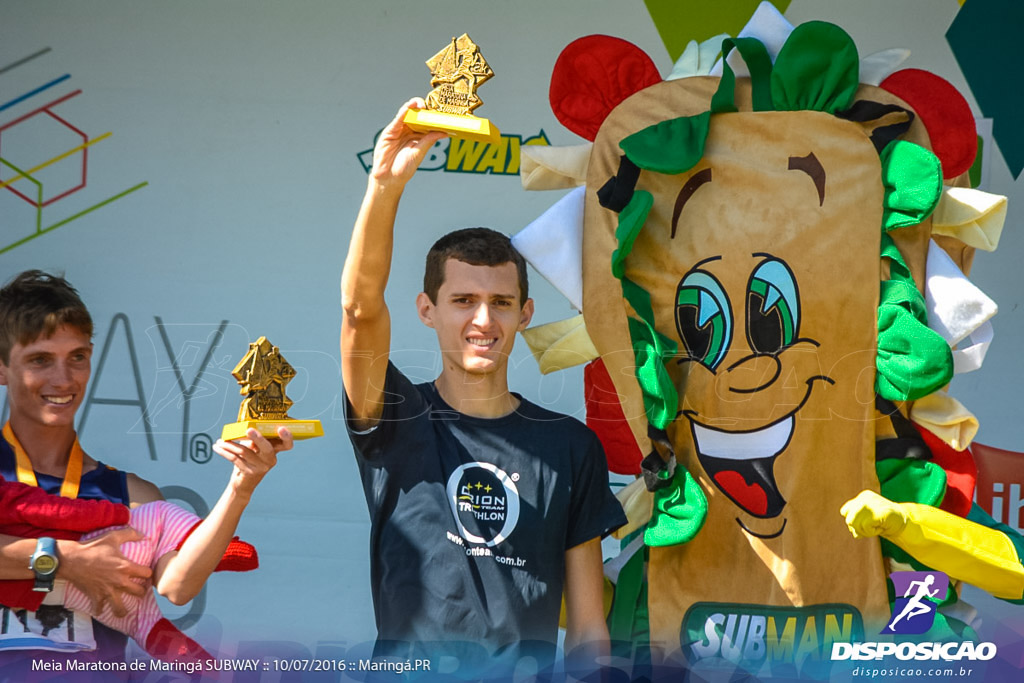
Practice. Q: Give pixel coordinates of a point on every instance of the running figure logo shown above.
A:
(914, 612)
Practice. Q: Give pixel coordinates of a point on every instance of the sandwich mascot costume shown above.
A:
(771, 265)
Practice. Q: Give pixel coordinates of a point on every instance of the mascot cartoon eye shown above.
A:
(703, 318)
(773, 307)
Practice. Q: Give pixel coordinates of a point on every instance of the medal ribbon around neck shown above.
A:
(26, 475)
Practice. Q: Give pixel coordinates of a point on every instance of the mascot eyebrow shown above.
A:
(691, 186)
(812, 167)
(808, 164)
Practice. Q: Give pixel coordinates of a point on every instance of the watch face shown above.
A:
(45, 564)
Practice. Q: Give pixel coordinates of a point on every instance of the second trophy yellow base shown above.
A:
(456, 125)
(300, 429)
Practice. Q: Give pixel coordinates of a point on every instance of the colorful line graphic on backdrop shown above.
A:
(31, 93)
(24, 60)
(21, 179)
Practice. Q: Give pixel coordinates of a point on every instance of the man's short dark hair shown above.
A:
(33, 305)
(477, 247)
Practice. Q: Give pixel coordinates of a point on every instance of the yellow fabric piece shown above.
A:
(560, 345)
(638, 503)
(877, 66)
(543, 167)
(698, 58)
(946, 418)
(974, 217)
(961, 549)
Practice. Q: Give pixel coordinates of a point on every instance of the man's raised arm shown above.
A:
(365, 322)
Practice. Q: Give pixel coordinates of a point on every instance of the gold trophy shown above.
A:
(456, 72)
(263, 374)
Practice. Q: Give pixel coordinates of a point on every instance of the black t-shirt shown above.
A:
(471, 517)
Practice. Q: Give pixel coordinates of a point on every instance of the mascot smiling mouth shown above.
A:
(741, 463)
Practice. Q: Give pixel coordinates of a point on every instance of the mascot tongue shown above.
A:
(750, 497)
(748, 483)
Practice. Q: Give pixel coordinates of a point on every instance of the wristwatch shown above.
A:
(44, 563)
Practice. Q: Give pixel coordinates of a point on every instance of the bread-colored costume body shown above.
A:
(770, 288)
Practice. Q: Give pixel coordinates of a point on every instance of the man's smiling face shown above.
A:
(476, 315)
(46, 378)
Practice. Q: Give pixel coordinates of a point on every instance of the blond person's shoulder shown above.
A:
(141, 491)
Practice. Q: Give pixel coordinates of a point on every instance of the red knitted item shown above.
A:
(592, 76)
(945, 114)
(168, 643)
(239, 556)
(605, 417)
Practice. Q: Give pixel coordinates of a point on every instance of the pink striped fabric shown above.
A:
(165, 525)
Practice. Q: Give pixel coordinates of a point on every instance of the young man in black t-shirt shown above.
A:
(484, 507)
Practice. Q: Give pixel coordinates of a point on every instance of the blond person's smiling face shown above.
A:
(46, 378)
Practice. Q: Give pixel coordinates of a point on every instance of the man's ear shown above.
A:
(526, 315)
(425, 309)
(3, 374)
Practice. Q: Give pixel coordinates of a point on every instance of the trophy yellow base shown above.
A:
(466, 127)
(300, 429)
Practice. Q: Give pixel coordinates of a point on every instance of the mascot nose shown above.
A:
(752, 373)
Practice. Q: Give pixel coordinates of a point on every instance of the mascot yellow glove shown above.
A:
(962, 549)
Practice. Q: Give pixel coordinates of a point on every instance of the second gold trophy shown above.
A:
(456, 72)
(263, 373)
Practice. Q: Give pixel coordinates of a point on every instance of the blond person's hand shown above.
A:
(100, 570)
(400, 149)
(252, 457)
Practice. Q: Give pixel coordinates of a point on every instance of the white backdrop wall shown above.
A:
(236, 132)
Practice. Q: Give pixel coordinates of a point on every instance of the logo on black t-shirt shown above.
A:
(485, 502)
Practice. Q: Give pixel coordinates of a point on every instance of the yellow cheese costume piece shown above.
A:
(638, 504)
(560, 345)
(875, 67)
(974, 217)
(698, 58)
(553, 168)
(946, 418)
(963, 550)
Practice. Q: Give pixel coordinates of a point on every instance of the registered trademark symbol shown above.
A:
(515, 476)
(200, 448)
